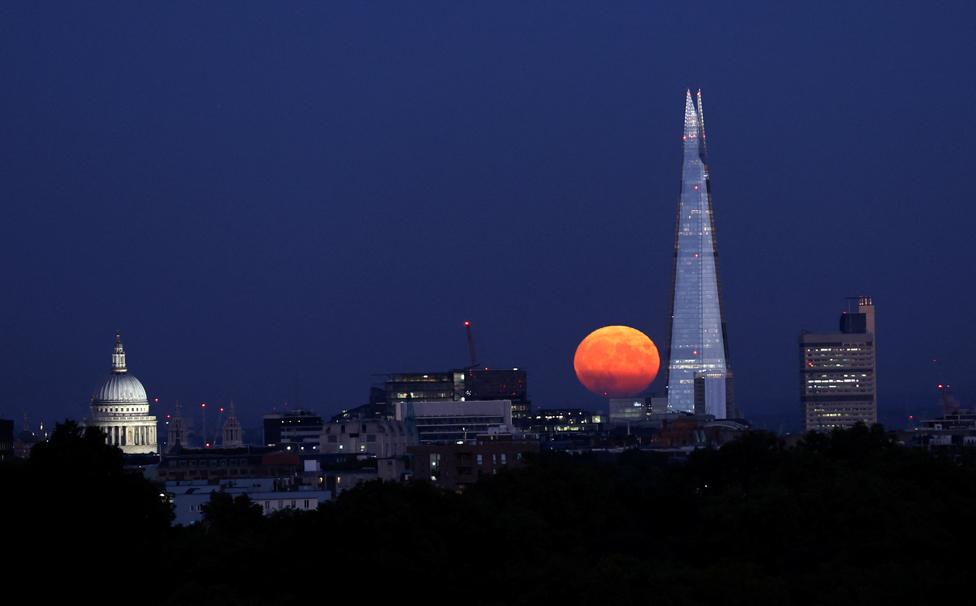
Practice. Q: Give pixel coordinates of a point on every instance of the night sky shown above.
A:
(276, 201)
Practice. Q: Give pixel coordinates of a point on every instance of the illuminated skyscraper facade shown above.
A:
(698, 353)
(838, 386)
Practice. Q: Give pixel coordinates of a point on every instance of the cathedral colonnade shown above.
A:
(126, 435)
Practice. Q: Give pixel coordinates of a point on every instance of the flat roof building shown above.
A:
(838, 386)
(298, 428)
(434, 422)
(453, 466)
(461, 385)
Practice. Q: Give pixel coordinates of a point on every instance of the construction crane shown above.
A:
(471, 351)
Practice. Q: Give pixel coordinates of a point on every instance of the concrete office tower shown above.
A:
(697, 346)
(838, 383)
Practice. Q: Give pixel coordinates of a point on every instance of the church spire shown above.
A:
(233, 437)
(118, 356)
(176, 431)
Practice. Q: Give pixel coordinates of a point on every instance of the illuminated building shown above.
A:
(434, 422)
(453, 466)
(120, 409)
(955, 429)
(551, 421)
(293, 429)
(462, 385)
(698, 343)
(376, 437)
(838, 386)
(499, 384)
(628, 410)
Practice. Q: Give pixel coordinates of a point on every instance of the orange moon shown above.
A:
(616, 361)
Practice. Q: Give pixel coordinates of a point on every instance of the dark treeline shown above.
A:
(843, 518)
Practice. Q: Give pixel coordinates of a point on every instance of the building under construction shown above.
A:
(474, 382)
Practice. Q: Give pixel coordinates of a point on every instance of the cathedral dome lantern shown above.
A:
(120, 408)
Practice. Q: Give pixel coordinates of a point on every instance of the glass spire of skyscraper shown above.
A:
(699, 376)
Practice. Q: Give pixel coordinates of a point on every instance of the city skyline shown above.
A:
(300, 200)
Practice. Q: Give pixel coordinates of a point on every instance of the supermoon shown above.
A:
(616, 361)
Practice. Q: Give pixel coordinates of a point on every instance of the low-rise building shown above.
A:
(188, 498)
(453, 466)
(953, 429)
(453, 421)
(628, 410)
(551, 422)
(377, 437)
(227, 463)
(337, 473)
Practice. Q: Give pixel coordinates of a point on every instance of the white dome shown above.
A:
(120, 388)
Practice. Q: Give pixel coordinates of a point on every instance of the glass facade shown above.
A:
(697, 341)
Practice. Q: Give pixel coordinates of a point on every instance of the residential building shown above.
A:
(453, 466)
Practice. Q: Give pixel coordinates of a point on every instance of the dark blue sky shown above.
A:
(267, 196)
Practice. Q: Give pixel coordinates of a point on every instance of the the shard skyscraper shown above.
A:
(699, 374)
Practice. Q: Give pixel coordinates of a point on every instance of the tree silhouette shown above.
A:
(225, 513)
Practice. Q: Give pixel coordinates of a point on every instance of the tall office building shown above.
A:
(838, 386)
(293, 428)
(698, 352)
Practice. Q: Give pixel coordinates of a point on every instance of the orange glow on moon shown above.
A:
(616, 361)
